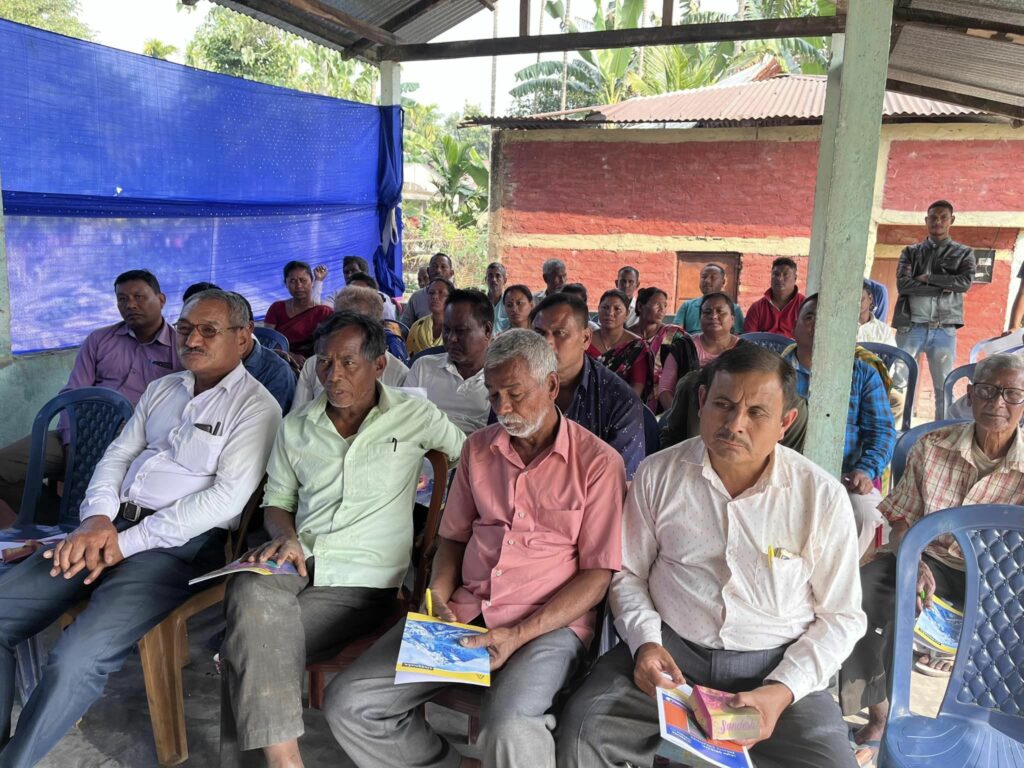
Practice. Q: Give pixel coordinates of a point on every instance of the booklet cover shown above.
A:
(687, 744)
(269, 568)
(938, 627)
(431, 650)
(719, 720)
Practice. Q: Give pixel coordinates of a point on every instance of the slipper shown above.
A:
(925, 667)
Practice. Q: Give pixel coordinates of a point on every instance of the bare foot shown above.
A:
(872, 731)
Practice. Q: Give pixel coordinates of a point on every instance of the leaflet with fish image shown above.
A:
(431, 651)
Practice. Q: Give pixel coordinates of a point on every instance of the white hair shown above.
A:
(550, 265)
(521, 344)
(995, 363)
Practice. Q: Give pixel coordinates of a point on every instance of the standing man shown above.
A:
(712, 280)
(932, 278)
(496, 279)
(776, 311)
(419, 305)
(739, 572)
(126, 357)
(627, 281)
(554, 274)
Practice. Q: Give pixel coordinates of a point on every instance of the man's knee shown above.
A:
(516, 734)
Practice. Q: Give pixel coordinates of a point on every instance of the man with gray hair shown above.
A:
(528, 543)
(554, 274)
(977, 462)
(156, 514)
(496, 278)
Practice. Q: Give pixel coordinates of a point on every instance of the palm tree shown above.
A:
(461, 178)
(158, 49)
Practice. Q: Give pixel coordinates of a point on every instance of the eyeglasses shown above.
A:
(206, 330)
(1011, 395)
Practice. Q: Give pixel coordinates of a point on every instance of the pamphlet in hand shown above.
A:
(938, 627)
(431, 652)
(687, 744)
(269, 568)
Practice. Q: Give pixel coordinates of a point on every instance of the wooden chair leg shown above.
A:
(316, 690)
(160, 667)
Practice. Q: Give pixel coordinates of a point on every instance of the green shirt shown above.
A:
(353, 499)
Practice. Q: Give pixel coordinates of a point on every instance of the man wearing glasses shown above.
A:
(977, 462)
(156, 514)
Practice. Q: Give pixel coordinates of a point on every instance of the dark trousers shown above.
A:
(611, 722)
(866, 675)
(14, 468)
(127, 601)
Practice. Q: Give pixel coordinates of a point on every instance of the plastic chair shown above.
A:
(776, 342)
(271, 338)
(652, 439)
(403, 328)
(906, 441)
(954, 376)
(891, 355)
(427, 353)
(977, 349)
(981, 719)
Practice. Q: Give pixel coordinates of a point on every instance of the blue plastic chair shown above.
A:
(652, 438)
(981, 720)
(427, 353)
(774, 341)
(954, 376)
(906, 441)
(271, 338)
(889, 355)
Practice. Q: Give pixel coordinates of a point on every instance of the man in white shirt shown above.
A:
(454, 380)
(739, 572)
(156, 514)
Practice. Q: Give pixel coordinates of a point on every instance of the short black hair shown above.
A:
(717, 266)
(195, 288)
(374, 341)
(807, 300)
(750, 358)
(570, 300)
(517, 287)
(445, 280)
(719, 295)
(363, 277)
(138, 274)
(941, 204)
(483, 310)
(646, 294)
(291, 266)
(615, 293)
(784, 261)
(579, 289)
(359, 261)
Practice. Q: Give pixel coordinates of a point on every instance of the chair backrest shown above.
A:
(652, 438)
(439, 463)
(427, 353)
(891, 355)
(961, 372)
(95, 416)
(403, 328)
(987, 681)
(906, 441)
(774, 341)
(271, 338)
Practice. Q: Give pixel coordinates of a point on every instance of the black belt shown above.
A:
(132, 512)
(937, 325)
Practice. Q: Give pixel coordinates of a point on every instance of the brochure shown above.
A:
(687, 744)
(431, 650)
(269, 568)
(720, 720)
(938, 627)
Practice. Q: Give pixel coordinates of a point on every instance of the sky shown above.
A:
(127, 24)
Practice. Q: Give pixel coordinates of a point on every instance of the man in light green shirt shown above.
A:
(341, 483)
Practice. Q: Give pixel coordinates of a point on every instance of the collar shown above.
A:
(560, 446)
(961, 437)
(586, 374)
(696, 454)
(164, 336)
(229, 382)
(796, 294)
(453, 369)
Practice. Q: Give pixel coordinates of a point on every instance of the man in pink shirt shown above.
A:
(776, 311)
(530, 538)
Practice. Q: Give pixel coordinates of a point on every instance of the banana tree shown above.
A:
(461, 178)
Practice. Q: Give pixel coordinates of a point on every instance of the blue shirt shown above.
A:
(688, 316)
(272, 372)
(870, 434)
(396, 346)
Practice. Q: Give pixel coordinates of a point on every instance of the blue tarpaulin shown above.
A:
(112, 161)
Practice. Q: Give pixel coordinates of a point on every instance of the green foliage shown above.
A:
(539, 87)
(158, 49)
(60, 16)
(461, 177)
(432, 231)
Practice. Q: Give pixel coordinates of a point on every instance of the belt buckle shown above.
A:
(132, 512)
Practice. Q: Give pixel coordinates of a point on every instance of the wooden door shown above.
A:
(689, 265)
(884, 271)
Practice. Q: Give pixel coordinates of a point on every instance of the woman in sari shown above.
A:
(689, 353)
(518, 302)
(425, 333)
(622, 351)
(657, 334)
(297, 317)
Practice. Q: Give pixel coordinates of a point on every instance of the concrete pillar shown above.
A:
(5, 291)
(847, 166)
(390, 83)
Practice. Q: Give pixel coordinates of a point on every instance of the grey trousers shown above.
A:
(14, 467)
(380, 724)
(611, 722)
(274, 623)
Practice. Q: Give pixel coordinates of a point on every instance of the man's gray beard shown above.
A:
(519, 429)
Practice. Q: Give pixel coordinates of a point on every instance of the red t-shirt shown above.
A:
(764, 317)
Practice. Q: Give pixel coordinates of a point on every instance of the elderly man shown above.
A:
(588, 392)
(496, 279)
(980, 462)
(125, 356)
(739, 572)
(419, 305)
(340, 488)
(454, 380)
(870, 434)
(712, 280)
(529, 539)
(363, 301)
(156, 514)
(554, 274)
(776, 311)
(628, 280)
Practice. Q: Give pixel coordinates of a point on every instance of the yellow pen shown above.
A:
(430, 603)
(771, 557)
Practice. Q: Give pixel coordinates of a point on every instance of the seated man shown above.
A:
(156, 514)
(454, 380)
(339, 495)
(981, 462)
(418, 304)
(362, 301)
(588, 393)
(712, 280)
(390, 312)
(870, 434)
(699, 600)
(125, 356)
(529, 538)
(776, 311)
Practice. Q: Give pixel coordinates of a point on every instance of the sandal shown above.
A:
(934, 665)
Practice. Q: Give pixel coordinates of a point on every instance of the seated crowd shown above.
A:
(555, 511)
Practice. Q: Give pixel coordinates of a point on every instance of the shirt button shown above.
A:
(487, 603)
(522, 514)
(511, 542)
(497, 571)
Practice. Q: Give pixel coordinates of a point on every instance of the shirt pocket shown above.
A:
(199, 451)
(391, 463)
(561, 523)
(788, 580)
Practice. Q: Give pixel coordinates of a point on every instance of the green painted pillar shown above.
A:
(5, 292)
(847, 164)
